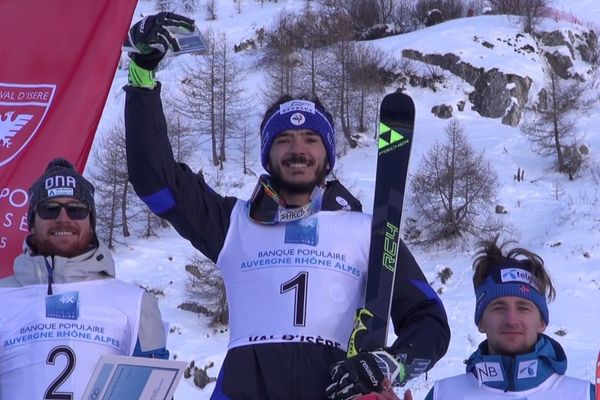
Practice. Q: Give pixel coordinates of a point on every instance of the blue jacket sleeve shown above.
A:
(170, 189)
(418, 315)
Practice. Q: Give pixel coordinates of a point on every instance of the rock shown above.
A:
(583, 149)
(588, 49)
(201, 378)
(490, 97)
(542, 103)
(442, 111)
(500, 209)
(552, 39)
(559, 63)
(527, 49)
(513, 116)
(434, 17)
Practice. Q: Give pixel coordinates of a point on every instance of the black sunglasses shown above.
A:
(51, 210)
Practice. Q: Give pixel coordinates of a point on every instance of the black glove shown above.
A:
(151, 36)
(364, 373)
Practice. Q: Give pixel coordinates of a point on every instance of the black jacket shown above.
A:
(199, 214)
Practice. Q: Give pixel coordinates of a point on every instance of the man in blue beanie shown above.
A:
(293, 256)
(516, 361)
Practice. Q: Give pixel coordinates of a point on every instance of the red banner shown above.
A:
(57, 62)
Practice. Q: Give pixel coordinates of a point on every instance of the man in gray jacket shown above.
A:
(63, 307)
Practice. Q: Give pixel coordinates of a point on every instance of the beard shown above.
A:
(47, 246)
(297, 187)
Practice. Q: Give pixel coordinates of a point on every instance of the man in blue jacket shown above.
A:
(517, 361)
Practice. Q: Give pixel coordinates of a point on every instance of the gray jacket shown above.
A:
(98, 263)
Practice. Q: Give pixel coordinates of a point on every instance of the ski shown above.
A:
(396, 127)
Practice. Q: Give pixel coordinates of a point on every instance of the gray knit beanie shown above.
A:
(61, 180)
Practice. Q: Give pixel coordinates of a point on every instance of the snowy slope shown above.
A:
(539, 221)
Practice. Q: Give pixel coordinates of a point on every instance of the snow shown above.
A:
(558, 219)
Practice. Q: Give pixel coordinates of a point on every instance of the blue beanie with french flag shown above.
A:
(298, 114)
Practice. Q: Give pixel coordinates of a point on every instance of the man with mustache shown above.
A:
(293, 256)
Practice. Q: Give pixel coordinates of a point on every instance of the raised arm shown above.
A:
(170, 189)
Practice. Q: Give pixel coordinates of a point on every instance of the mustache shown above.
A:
(294, 158)
(63, 225)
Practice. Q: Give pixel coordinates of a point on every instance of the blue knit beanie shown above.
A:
(298, 114)
(511, 278)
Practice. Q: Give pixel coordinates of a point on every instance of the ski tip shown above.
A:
(397, 103)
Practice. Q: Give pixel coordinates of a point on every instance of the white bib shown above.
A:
(50, 345)
(300, 281)
(556, 387)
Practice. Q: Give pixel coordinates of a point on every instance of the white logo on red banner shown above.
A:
(22, 111)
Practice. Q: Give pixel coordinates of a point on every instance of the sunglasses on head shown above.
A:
(51, 210)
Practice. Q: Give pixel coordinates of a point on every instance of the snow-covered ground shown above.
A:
(564, 231)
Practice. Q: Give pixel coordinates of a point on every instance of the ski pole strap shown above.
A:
(355, 342)
(391, 367)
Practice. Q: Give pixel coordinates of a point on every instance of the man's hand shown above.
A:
(152, 36)
(363, 374)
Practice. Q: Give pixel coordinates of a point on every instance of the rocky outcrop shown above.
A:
(579, 44)
(449, 62)
(588, 50)
(496, 94)
(503, 95)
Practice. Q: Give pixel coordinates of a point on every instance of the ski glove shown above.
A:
(364, 373)
(153, 37)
